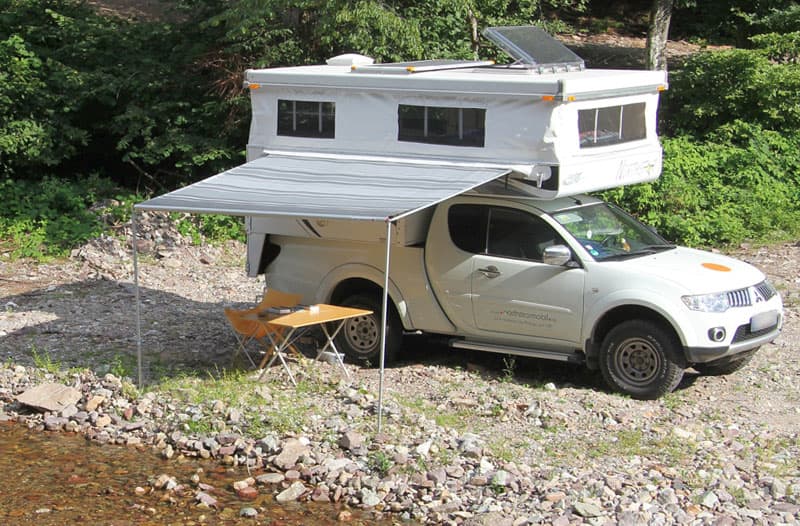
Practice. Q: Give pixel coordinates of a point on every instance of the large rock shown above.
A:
(588, 509)
(50, 397)
(292, 450)
(270, 478)
(351, 440)
(292, 493)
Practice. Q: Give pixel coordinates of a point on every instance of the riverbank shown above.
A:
(467, 438)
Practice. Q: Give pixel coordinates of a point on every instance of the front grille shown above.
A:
(743, 333)
(739, 298)
(745, 297)
(766, 290)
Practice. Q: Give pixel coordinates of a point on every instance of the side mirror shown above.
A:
(557, 255)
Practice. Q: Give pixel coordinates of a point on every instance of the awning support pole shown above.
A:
(384, 318)
(138, 302)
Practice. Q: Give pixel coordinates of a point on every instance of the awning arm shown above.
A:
(138, 302)
(384, 318)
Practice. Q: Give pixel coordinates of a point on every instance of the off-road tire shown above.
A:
(636, 359)
(360, 337)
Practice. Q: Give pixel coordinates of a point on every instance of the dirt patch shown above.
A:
(81, 313)
(612, 50)
(142, 10)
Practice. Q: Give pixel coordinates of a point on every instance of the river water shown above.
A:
(60, 479)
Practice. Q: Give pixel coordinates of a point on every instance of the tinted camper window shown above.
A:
(611, 125)
(441, 125)
(300, 118)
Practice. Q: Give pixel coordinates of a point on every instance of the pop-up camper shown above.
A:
(562, 128)
(466, 179)
(557, 127)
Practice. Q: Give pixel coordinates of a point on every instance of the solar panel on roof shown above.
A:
(534, 48)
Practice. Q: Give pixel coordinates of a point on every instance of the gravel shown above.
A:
(467, 438)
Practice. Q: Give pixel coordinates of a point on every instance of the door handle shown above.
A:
(490, 272)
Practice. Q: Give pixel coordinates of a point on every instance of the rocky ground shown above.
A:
(466, 438)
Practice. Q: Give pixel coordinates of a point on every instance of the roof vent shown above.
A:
(349, 60)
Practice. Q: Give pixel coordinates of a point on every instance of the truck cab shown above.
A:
(561, 279)
(572, 279)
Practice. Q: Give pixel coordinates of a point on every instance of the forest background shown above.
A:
(105, 103)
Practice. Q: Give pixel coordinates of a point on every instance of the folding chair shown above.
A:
(250, 324)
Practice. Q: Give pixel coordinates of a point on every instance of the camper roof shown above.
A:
(496, 80)
(543, 67)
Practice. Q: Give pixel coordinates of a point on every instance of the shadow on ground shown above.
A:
(519, 369)
(92, 324)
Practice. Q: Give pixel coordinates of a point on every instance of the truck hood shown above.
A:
(698, 271)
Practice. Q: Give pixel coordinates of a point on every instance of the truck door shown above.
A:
(513, 291)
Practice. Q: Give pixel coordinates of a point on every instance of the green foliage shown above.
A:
(509, 368)
(135, 98)
(734, 21)
(34, 123)
(123, 365)
(740, 184)
(765, 16)
(779, 47)
(731, 159)
(48, 217)
(44, 361)
(715, 89)
(379, 462)
(212, 227)
(272, 32)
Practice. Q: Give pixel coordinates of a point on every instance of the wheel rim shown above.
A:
(638, 361)
(362, 334)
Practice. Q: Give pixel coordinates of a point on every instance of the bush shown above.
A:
(35, 127)
(740, 184)
(134, 101)
(714, 89)
(47, 218)
(211, 227)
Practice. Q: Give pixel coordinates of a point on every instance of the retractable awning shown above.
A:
(326, 186)
(359, 188)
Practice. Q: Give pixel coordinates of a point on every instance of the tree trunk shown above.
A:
(474, 36)
(660, 14)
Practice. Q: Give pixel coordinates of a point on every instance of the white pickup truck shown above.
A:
(572, 279)
(526, 264)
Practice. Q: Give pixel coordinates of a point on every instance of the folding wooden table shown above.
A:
(297, 323)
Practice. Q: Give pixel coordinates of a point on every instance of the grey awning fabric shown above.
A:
(325, 187)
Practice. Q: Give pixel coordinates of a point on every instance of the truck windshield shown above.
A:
(607, 233)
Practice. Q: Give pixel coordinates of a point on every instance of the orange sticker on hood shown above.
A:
(715, 266)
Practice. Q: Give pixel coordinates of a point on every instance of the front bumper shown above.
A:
(747, 341)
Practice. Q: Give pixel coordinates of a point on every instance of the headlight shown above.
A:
(708, 302)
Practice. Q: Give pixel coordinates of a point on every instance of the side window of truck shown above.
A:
(500, 231)
(517, 234)
(467, 225)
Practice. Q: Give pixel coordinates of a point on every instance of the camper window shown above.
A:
(611, 125)
(300, 118)
(441, 125)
